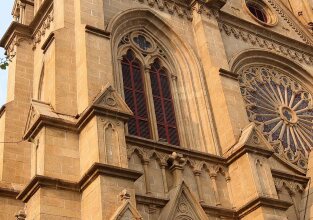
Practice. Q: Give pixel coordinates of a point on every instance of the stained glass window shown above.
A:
(135, 96)
(163, 104)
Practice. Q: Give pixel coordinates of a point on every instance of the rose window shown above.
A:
(282, 110)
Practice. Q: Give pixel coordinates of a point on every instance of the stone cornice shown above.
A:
(76, 125)
(228, 74)
(249, 149)
(27, 30)
(265, 32)
(291, 177)
(97, 31)
(99, 169)
(50, 122)
(169, 149)
(7, 192)
(259, 37)
(151, 200)
(15, 29)
(263, 202)
(96, 170)
(219, 211)
(43, 181)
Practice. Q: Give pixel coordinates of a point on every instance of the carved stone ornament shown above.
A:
(266, 43)
(282, 109)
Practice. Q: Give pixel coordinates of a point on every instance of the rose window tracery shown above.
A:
(282, 110)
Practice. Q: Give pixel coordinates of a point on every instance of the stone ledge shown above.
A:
(151, 200)
(169, 149)
(249, 149)
(262, 202)
(15, 29)
(228, 74)
(219, 211)
(43, 181)
(8, 192)
(96, 31)
(96, 170)
(291, 177)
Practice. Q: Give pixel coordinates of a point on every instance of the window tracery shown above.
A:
(147, 88)
(282, 109)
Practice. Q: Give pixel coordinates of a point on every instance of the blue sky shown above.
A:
(5, 20)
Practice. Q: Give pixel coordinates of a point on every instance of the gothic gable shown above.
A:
(251, 136)
(109, 99)
(37, 109)
(182, 205)
(126, 211)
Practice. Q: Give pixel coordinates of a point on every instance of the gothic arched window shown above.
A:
(147, 91)
(135, 95)
(163, 104)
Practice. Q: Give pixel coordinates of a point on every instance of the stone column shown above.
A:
(197, 174)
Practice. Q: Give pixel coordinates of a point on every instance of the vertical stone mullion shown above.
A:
(150, 104)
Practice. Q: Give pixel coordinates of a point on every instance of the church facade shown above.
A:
(158, 110)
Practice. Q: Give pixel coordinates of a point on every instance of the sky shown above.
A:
(5, 20)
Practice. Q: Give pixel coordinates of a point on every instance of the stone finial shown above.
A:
(125, 195)
(21, 215)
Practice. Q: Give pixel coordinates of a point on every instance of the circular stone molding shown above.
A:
(260, 12)
(282, 109)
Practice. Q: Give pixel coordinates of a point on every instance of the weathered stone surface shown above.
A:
(65, 149)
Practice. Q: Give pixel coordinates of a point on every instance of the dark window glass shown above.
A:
(135, 96)
(257, 11)
(142, 42)
(163, 104)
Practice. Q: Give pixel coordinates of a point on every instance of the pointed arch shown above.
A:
(184, 68)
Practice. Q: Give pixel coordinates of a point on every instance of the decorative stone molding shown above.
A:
(179, 8)
(301, 179)
(167, 149)
(262, 202)
(39, 24)
(15, 35)
(108, 103)
(8, 192)
(265, 43)
(281, 12)
(291, 186)
(43, 27)
(97, 169)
